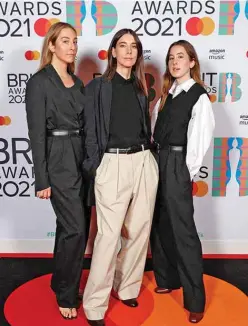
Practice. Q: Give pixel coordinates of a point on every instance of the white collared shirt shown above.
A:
(200, 128)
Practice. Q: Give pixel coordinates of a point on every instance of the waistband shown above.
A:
(129, 150)
(170, 148)
(60, 132)
(174, 148)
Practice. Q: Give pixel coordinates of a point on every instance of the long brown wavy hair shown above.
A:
(138, 69)
(168, 80)
(52, 36)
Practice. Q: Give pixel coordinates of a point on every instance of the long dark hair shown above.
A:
(137, 69)
(168, 80)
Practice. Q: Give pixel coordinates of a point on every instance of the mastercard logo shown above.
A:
(212, 98)
(103, 55)
(196, 26)
(200, 188)
(42, 25)
(5, 121)
(32, 55)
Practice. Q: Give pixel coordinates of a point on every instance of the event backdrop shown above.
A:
(219, 32)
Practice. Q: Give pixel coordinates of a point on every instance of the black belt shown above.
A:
(129, 150)
(57, 132)
(174, 148)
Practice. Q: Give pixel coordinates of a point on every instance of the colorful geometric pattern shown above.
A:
(235, 90)
(229, 11)
(103, 13)
(105, 16)
(222, 168)
(243, 166)
(75, 14)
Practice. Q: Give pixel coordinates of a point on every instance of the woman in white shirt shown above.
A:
(183, 124)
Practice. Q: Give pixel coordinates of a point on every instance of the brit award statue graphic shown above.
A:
(241, 8)
(233, 185)
(91, 18)
(228, 97)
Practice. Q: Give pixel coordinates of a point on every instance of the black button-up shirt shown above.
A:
(126, 125)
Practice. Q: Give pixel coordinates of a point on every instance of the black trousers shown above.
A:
(73, 220)
(176, 247)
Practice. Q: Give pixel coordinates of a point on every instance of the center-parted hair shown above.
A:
(168, 80)
(52, 36)
(138, 69)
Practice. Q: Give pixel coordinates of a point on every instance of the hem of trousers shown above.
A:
(170, 287)
(194, 310)
(167, 286)
(93, 315)
(126, 297)
(61, 304)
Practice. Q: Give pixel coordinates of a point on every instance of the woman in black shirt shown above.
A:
(125, 181)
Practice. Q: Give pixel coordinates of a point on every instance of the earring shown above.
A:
(75, 58)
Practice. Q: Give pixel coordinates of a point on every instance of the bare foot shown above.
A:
(66, 312)
(74, 312)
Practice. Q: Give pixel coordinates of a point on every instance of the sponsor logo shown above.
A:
(200, 26)
(5, 121)
(103, 55)
(243, 119)
(42, 25)
(32, 55)
(217, 54)
(147, 55)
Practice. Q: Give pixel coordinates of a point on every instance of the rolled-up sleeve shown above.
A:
(199, 135)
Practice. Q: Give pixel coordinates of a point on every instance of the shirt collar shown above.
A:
(118, 79)
(185, 86)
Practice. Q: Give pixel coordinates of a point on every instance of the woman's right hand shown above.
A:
(44, 194)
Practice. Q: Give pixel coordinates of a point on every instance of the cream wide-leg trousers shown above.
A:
(125, 190)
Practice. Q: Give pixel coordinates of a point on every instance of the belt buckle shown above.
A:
(157, 147)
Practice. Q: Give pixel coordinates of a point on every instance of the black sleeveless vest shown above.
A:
(173, 120)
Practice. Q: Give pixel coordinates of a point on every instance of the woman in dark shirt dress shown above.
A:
(56, 105)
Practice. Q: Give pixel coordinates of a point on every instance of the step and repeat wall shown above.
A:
(217, 29)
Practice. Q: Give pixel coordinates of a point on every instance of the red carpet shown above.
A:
(34, 304)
